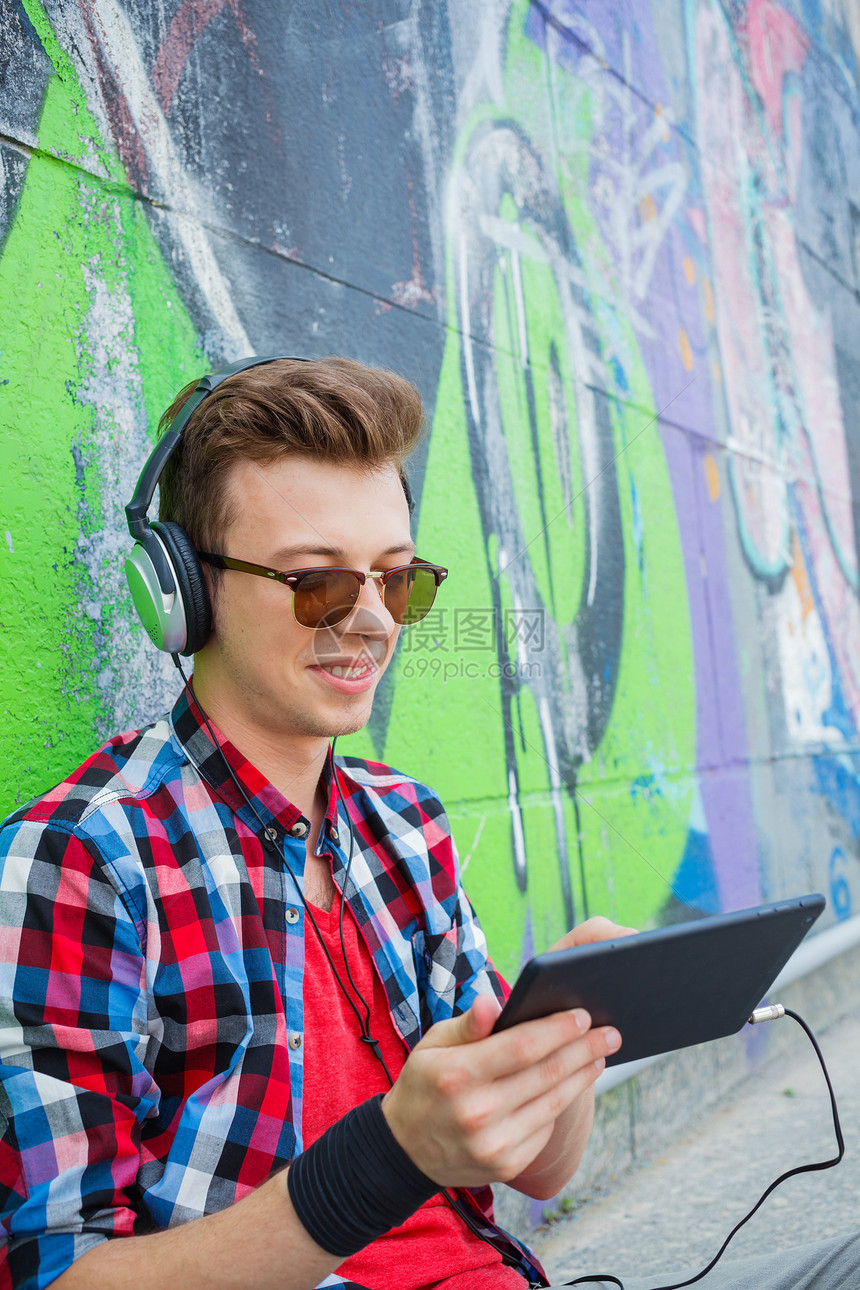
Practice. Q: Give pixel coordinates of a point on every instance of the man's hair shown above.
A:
(330, 409)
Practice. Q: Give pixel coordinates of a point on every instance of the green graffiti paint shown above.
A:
(91, 294)
(447, 723)
(97, 311)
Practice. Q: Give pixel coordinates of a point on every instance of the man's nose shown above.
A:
(369, 616)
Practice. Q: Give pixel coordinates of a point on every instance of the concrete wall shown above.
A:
(617, 246)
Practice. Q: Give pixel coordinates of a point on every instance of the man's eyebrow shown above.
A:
(283, 557)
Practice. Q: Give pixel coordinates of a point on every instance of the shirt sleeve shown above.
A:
(73, 1032)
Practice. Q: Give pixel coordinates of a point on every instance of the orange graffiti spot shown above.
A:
(800, 578)
(689, 270)
(686, 352)
(709, 300)
(647, 209)
(712, 477)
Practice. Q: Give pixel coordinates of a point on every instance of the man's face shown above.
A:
(262, 672)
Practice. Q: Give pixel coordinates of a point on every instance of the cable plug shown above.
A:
(771, 1013)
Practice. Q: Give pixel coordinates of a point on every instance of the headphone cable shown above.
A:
(366, 1036)
(269, 840)
(789, 1173)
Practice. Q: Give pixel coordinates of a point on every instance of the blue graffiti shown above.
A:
(840, 891)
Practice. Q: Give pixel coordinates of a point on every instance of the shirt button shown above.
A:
(292, 915)
(335, 836)
(295, 1041)
(299, 830)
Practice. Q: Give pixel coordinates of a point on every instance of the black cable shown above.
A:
(269, 840)
(790, 1173)
(366, 1036)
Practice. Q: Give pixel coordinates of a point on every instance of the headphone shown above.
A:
(163, 570)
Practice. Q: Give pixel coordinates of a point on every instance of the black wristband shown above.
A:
(356, 1182)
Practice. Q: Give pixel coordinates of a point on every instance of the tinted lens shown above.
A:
(325, 598)
(409, 593)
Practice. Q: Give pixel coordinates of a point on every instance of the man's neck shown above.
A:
(292, 765)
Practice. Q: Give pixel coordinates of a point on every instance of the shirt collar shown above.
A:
(211, 755)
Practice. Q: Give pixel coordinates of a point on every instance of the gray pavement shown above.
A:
(674, 1211)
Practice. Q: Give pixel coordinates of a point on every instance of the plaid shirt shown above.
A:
(151, 961)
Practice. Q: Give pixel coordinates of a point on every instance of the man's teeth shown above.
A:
(361, 670)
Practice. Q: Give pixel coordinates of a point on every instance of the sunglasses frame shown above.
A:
(292, 578)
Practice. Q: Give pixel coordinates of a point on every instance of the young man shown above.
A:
(214, 931)
(246, 1007)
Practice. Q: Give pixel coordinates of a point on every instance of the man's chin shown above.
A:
(351, 727)
(343, 721)
(351, 722)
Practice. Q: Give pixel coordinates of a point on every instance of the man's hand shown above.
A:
(472, 1107)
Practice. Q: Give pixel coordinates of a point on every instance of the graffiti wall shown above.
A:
(617, 247)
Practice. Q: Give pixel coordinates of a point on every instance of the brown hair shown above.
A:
(332, 408)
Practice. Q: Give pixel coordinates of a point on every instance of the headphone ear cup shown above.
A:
(192, 583)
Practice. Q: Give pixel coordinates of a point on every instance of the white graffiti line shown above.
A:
(521, 308)
(744, 448)
(477, 53)
(464, 863)
(585, 364)
(587, 425)
(466, 328)
(118, 45)
(549, 741)
(512, 238)
(650, 235)
(639, 181)
(520, 861)
(638, 240)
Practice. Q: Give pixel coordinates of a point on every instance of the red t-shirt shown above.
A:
(433, 1247)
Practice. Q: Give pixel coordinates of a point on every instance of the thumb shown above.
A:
(470, 1026)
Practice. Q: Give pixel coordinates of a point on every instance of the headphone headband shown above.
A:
(145, 491)
(164, 574)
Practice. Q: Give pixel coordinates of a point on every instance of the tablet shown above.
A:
(671, 987)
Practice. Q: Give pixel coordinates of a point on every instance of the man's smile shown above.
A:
(351, 673)
(359, 669)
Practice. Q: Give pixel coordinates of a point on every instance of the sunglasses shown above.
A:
(325, 597)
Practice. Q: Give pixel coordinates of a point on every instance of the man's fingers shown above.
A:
(511, 1139)
(591, 932)
(470, 1116)
(531, 1126)
(555, 1070)
(524, 1046)
(555, 1086)
(597, 929)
